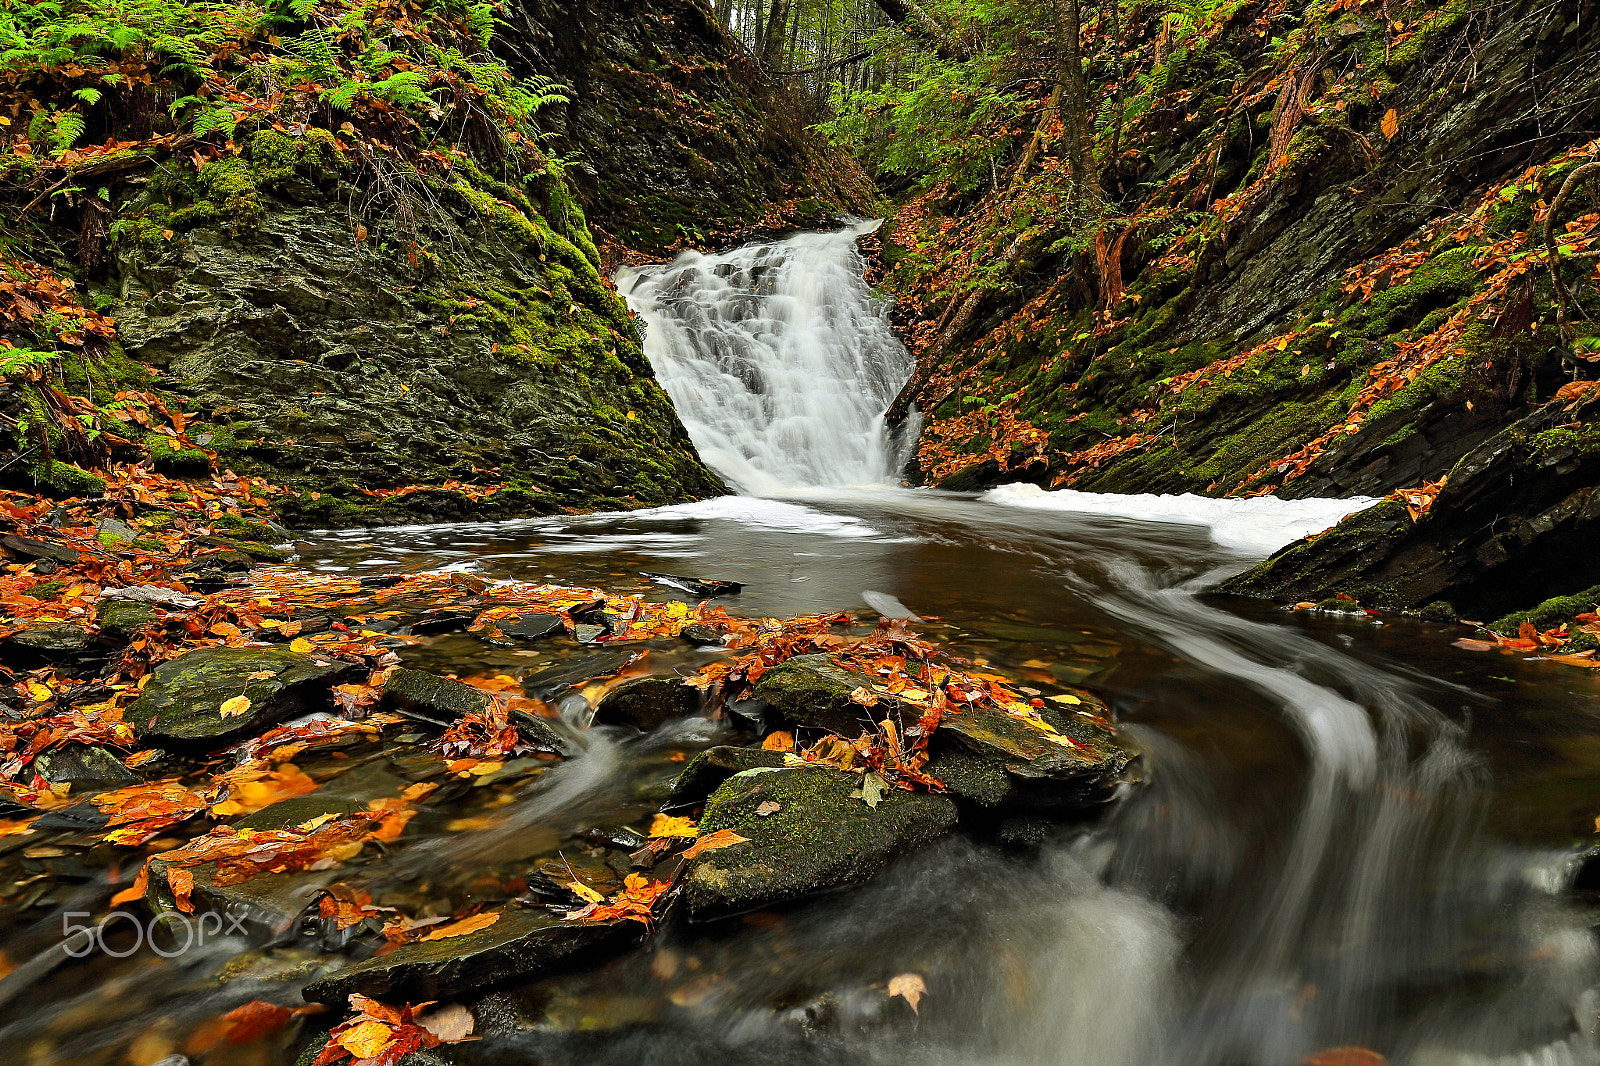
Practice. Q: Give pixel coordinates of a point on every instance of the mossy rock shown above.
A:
(183, 699)
(430, 696)
(520, 945)
(63, 481)
(710, 768)
(86, 767)
(121, 619)
(647, 703)
(1074, 753)
(820, 837)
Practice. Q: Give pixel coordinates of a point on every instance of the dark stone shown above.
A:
(182, 699)
(29, 548)
(553, 680)
(814, 690)
(696, 586)
(523, 944)
(437, 699)
(980, 778)
(45, 644)
(121, 619)
(703, 636)
(110, 527)
(85, 767)
(442, 622)
(710, 768)
(533, 627)
(821, 837)
(647, 703)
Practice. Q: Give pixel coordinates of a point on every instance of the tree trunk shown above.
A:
(910, 16)
(1074, 99)
(777, 22)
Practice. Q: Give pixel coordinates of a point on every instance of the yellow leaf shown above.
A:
(300, 645)
(1390, 125)
(38, 692)
(583, 891)
(237, 705)
(909, 987)
(1064, 698)
(779, 741)
(465, 926)
(668, 825)
(864, 696)
(366, 1040)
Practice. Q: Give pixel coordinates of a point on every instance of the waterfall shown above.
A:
(779, 359)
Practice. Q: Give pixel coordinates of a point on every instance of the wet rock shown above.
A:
(695, 586)
(710, 768)
(522, 944)
(45, 644)
(980, 778)
(120, 619)
(442, 622)
(437, 699)
(703, 636)
(819, 837)
(1076, 756)
(29, 548)
(555, 680)
(183, 699)
(85, 767)
(814, 690)
(533, 627)
(647, 703)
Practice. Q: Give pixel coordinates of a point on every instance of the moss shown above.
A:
(1551, 613)
(1443, 21)
(63, 481)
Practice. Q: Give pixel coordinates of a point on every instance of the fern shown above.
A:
(68, 127)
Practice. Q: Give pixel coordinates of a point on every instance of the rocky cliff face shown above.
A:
(677, 140)
(382, 288)
(1319, 268)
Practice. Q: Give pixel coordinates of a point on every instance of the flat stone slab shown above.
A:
(817, 837)
(647, 703)
(184, 697)
(522, 944)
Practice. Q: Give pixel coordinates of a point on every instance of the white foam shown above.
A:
(764, 513)
(1258, 525)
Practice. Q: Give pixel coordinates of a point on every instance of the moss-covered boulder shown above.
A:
(431, 696)
(120, 619)
(821, 835)
(521, 945)
(647, 703)
(710, 768)
(183, 700)
(1060, 754)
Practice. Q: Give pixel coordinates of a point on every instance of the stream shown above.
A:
(1342, 832)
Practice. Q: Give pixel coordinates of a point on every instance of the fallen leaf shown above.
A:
(366, 1039)
(668, 825)
(779, 741)
(237, 705)
(301, 645)
(464, 926)
(1390, 124)
(722, 838)
(767, 807)
(865, 697)
(908, 986)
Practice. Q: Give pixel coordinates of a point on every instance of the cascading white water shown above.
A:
(778, 357)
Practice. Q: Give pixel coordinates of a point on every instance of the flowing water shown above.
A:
(1341, 833)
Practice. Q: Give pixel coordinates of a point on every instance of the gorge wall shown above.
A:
(1316, 266)
(380, 287)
